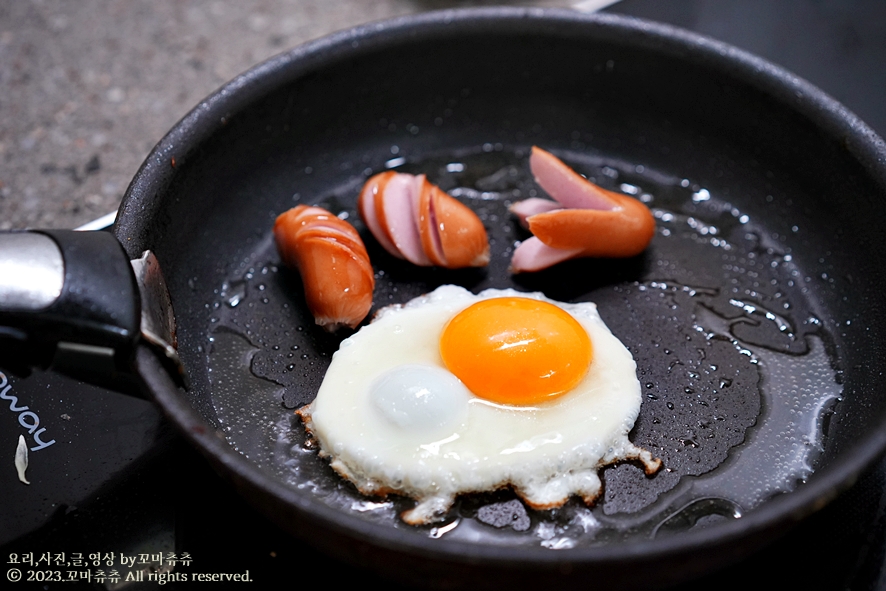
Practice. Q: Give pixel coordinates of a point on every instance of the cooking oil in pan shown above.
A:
(738, 372)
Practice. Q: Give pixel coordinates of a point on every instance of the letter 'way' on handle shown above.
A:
(32, 271)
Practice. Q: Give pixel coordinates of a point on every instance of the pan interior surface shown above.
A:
(722, 359)
(755, 316)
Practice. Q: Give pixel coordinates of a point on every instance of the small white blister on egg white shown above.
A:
(418, 397)
(393, 419)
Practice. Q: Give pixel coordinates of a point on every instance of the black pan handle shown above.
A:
(68, 300)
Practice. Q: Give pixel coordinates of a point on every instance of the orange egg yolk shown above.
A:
(515, 350)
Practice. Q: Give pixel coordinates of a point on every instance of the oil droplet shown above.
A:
(234, 293)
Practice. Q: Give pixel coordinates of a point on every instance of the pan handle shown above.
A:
(69, 301)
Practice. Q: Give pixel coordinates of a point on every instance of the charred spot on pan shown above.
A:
(505, 514)
(503, 510)
(292, 398)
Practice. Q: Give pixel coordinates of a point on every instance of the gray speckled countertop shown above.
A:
(89, 86)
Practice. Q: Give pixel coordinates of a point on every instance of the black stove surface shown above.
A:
(109, 477)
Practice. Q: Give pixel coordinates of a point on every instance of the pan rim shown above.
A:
(835, 119)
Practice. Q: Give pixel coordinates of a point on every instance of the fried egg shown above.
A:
(456, 393)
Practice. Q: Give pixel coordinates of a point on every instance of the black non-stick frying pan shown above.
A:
(755, 317)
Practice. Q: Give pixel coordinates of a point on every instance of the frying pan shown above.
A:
(755, 316)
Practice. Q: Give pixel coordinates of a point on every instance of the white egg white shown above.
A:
(392, 419)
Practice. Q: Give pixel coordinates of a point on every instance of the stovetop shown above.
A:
(115, 493)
